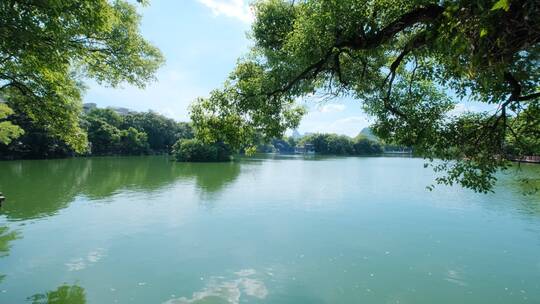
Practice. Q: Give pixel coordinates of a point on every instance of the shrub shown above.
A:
(194, 150)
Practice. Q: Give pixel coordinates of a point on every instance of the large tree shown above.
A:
(48, 47)
(408, 62)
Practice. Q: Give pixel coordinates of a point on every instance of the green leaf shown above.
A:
(483, 32)
(501, 4)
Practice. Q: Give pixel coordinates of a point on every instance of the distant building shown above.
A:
(397, 150)
(305, 149)
(120, 110)
(529, 159)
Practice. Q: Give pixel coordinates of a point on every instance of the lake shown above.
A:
(282, 229)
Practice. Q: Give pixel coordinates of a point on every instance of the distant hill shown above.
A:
(368, 133)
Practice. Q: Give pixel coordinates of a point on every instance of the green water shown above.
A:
(262, 230)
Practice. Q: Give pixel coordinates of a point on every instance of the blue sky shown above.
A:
(201, 41)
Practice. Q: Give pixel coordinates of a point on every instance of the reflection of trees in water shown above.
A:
(522, 184)
(65, 294)
(40, 188)
(211, 177)
(6, 237)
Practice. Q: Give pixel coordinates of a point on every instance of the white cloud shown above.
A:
(227, 291)
(474, 107)
(349, 126)
(332, 108)
(171, 95)
(92, 257)
(238, 9)
(459, 109)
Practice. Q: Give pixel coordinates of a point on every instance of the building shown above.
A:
(305, 149)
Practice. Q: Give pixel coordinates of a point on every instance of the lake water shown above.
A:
(261, 230)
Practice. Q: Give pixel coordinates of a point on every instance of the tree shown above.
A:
(133, 142)
(107, 115)
(194, 150)
(184, 130)
(334, 144)
(8, 131)
(35, 142)
(408, 62)
(529, 142)
(162, 132)
(329, 143)
(365, 146)
(104, 138)
(108, 134)
(47, 47)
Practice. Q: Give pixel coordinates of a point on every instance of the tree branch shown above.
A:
(313, 69)
(425, 14)
(529, 97)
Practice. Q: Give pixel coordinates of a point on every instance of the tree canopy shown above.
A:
(408, 63)
(48, 47)
(194, 150)
(333, 144)
(108, 133)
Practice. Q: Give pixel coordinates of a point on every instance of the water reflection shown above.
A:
(82, 263)
(6, 237)
(65, 294)
(40, 188)
(218, 290)
(522, 182)
(211, 177)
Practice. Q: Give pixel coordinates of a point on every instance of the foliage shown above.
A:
(8, 131)
(365, 146)
(135, 133)
(334, 144)
(104, 137)
(409, 62)
(133, 142)
(224, 111)
(529, 141)
(36, 142)
(108, 133)
(106, 115)
(194, 150)
(162, 132)
(47, 47)
(329, 143)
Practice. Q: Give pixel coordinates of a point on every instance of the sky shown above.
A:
(202, 41)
